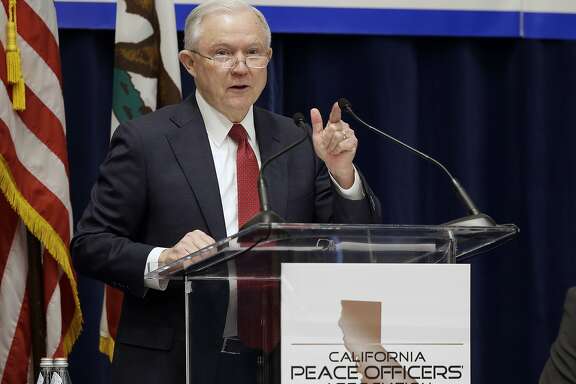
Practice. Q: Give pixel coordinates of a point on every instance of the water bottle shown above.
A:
(46, 366)
(60, 372)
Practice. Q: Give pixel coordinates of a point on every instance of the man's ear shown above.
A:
(187, 60)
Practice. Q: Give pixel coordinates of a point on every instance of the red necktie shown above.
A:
(246, 175)
(258, 300)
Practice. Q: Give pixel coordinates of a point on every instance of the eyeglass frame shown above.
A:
(235, 61)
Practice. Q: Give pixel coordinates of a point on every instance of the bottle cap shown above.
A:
(61, 362)
(46, 362)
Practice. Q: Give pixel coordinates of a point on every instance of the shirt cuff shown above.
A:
(152, 264)
(355, 192)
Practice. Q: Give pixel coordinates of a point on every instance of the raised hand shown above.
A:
(335, 144)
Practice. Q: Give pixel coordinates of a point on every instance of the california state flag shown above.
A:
(146, 77)
(34, 193)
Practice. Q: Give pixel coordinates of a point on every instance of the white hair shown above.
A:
(194, 19)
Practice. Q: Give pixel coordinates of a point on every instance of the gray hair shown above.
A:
(194, 19)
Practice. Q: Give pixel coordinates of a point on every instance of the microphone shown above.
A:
(476, 218)
(266, 215)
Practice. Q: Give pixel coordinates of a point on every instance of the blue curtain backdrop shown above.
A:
(500, 113)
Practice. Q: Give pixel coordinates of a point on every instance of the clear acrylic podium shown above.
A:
(272, 245)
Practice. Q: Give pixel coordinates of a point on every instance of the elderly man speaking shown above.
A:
(178, 178)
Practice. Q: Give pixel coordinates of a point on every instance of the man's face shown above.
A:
(230, 90)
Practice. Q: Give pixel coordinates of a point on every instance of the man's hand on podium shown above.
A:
(190, 243)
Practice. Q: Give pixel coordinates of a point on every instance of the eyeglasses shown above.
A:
(230, 61)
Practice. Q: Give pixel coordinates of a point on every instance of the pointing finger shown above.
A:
(335, 114)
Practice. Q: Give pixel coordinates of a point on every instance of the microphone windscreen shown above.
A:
(298, 118)
(344, 104)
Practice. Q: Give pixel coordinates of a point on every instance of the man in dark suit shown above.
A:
(561, 366)
(173, 181)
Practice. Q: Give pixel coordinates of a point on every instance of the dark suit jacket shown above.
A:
(157, 183)
(561, 366)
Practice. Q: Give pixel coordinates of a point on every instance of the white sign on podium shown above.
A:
(375, 323)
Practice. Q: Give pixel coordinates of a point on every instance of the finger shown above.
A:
(341, 132)
(343, 146)
(335, 114)
(189, 242)
(346, 140)
(348, 145)
(207, 239)
(186, 246)
(196, 240)
(175, 253)
(316, 119)
(333, 134)
(337, 138)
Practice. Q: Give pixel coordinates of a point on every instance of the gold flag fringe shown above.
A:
(49, 239)
(106, 346)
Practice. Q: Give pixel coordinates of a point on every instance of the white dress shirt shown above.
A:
(224, 155)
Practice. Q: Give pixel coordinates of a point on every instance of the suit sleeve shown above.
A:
(331, 206)
(561, 366)
(104, 246)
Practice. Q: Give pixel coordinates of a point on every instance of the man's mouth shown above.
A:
(239, 87)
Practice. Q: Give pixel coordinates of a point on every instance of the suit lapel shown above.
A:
(189, 142)
(276, 174)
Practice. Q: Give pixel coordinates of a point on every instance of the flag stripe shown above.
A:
(31, 158)
(47, 128)
(8, 226)
(39, 77)
(43, 108)
(114, 299)
(42, 7)
(51, 277)
(38, 196)
(32, 28)
(43, 231)
(67, 306)
(42, 81)
(53, 310)
(40, 120)
(12, 295)
(56, 282)
(72, 318)
(34, 179)
(16, 368)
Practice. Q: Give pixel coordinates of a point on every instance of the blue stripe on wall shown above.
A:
(86, 15)
(392, 21)
(359, 21)
(550, 25)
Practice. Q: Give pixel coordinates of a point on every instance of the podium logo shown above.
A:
(361, 324)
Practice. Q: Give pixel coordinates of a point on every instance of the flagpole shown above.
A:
(35, 284)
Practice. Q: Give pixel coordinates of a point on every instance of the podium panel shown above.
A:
(235, 289)
(379, 323)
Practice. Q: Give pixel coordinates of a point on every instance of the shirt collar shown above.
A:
(218, 125)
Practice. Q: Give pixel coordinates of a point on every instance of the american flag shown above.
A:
(34, 186)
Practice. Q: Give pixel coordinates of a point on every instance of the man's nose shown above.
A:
(241, 66)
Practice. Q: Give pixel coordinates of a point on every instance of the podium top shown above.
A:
(336, 243)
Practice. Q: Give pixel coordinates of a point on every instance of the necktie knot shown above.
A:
(238, 133)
